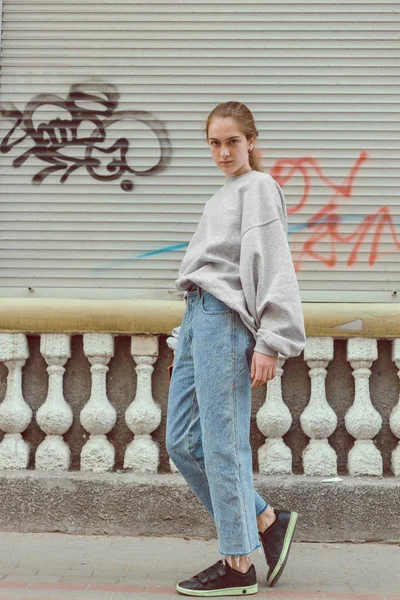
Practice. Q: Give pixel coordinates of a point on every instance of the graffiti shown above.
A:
(325, 224)
(58, 142)
(53, 140)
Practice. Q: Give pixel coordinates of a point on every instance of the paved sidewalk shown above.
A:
(65, 567)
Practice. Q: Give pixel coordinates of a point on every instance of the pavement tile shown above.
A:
(65, 567)
(138, 579)
(25, 570)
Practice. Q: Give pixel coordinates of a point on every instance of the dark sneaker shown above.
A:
(276, 541)
(220, 580)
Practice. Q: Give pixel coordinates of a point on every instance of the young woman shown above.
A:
(243, 307)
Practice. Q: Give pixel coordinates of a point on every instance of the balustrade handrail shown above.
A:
(71, 315)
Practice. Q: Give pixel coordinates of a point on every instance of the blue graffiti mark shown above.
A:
(298, 227)
(291, 229)
(145, 255)
(165, 249)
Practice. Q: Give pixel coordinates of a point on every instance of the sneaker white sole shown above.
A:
(273, 578)
(237, 591)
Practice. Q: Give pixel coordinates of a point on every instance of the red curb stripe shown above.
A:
(159, 589)
(49, 585)
(294, 594)
(104, 587)
(354, 596)
(41, 598)
(14, 584)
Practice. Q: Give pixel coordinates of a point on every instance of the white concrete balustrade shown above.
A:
(144, 412)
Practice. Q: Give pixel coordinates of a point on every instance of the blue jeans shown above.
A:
(208, 418)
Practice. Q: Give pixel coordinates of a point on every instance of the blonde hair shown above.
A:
(245, 120)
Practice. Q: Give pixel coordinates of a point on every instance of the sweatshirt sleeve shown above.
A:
(271, 289)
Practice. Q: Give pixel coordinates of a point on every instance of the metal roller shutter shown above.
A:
(94, 92)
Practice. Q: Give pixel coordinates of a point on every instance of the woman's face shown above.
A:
(229, 146)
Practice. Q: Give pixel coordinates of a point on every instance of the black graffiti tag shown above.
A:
(52, 141)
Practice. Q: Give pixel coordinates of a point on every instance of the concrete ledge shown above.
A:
(126, 504)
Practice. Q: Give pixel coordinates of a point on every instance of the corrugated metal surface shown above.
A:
(320, 77)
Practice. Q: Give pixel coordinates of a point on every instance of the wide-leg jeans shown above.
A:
(208, 418)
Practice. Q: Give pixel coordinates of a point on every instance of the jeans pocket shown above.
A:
(210, 305)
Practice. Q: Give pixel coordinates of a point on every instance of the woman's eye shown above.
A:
(216, 143)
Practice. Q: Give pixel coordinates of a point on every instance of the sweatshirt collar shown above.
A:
(234, 177)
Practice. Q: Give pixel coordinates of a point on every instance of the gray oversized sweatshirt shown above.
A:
(240, 254)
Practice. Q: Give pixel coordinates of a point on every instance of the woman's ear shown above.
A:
(251, 143)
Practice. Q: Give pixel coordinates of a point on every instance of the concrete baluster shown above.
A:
(143, 415)
(362, 420)
(15, 413)
(98, 416)
(395, 415)
(274, 420)
(54, 417)
(172, 342)
(318, 420)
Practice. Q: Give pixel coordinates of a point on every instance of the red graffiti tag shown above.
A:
(325, 223)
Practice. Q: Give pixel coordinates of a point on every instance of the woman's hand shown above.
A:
(263, 368)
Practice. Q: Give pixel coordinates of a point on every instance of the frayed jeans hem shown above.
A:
(240, 554)
(261, 511)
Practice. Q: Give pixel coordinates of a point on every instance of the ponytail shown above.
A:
(255, 159)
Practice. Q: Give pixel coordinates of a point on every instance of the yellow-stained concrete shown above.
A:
(378, 320)
(38, 315)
